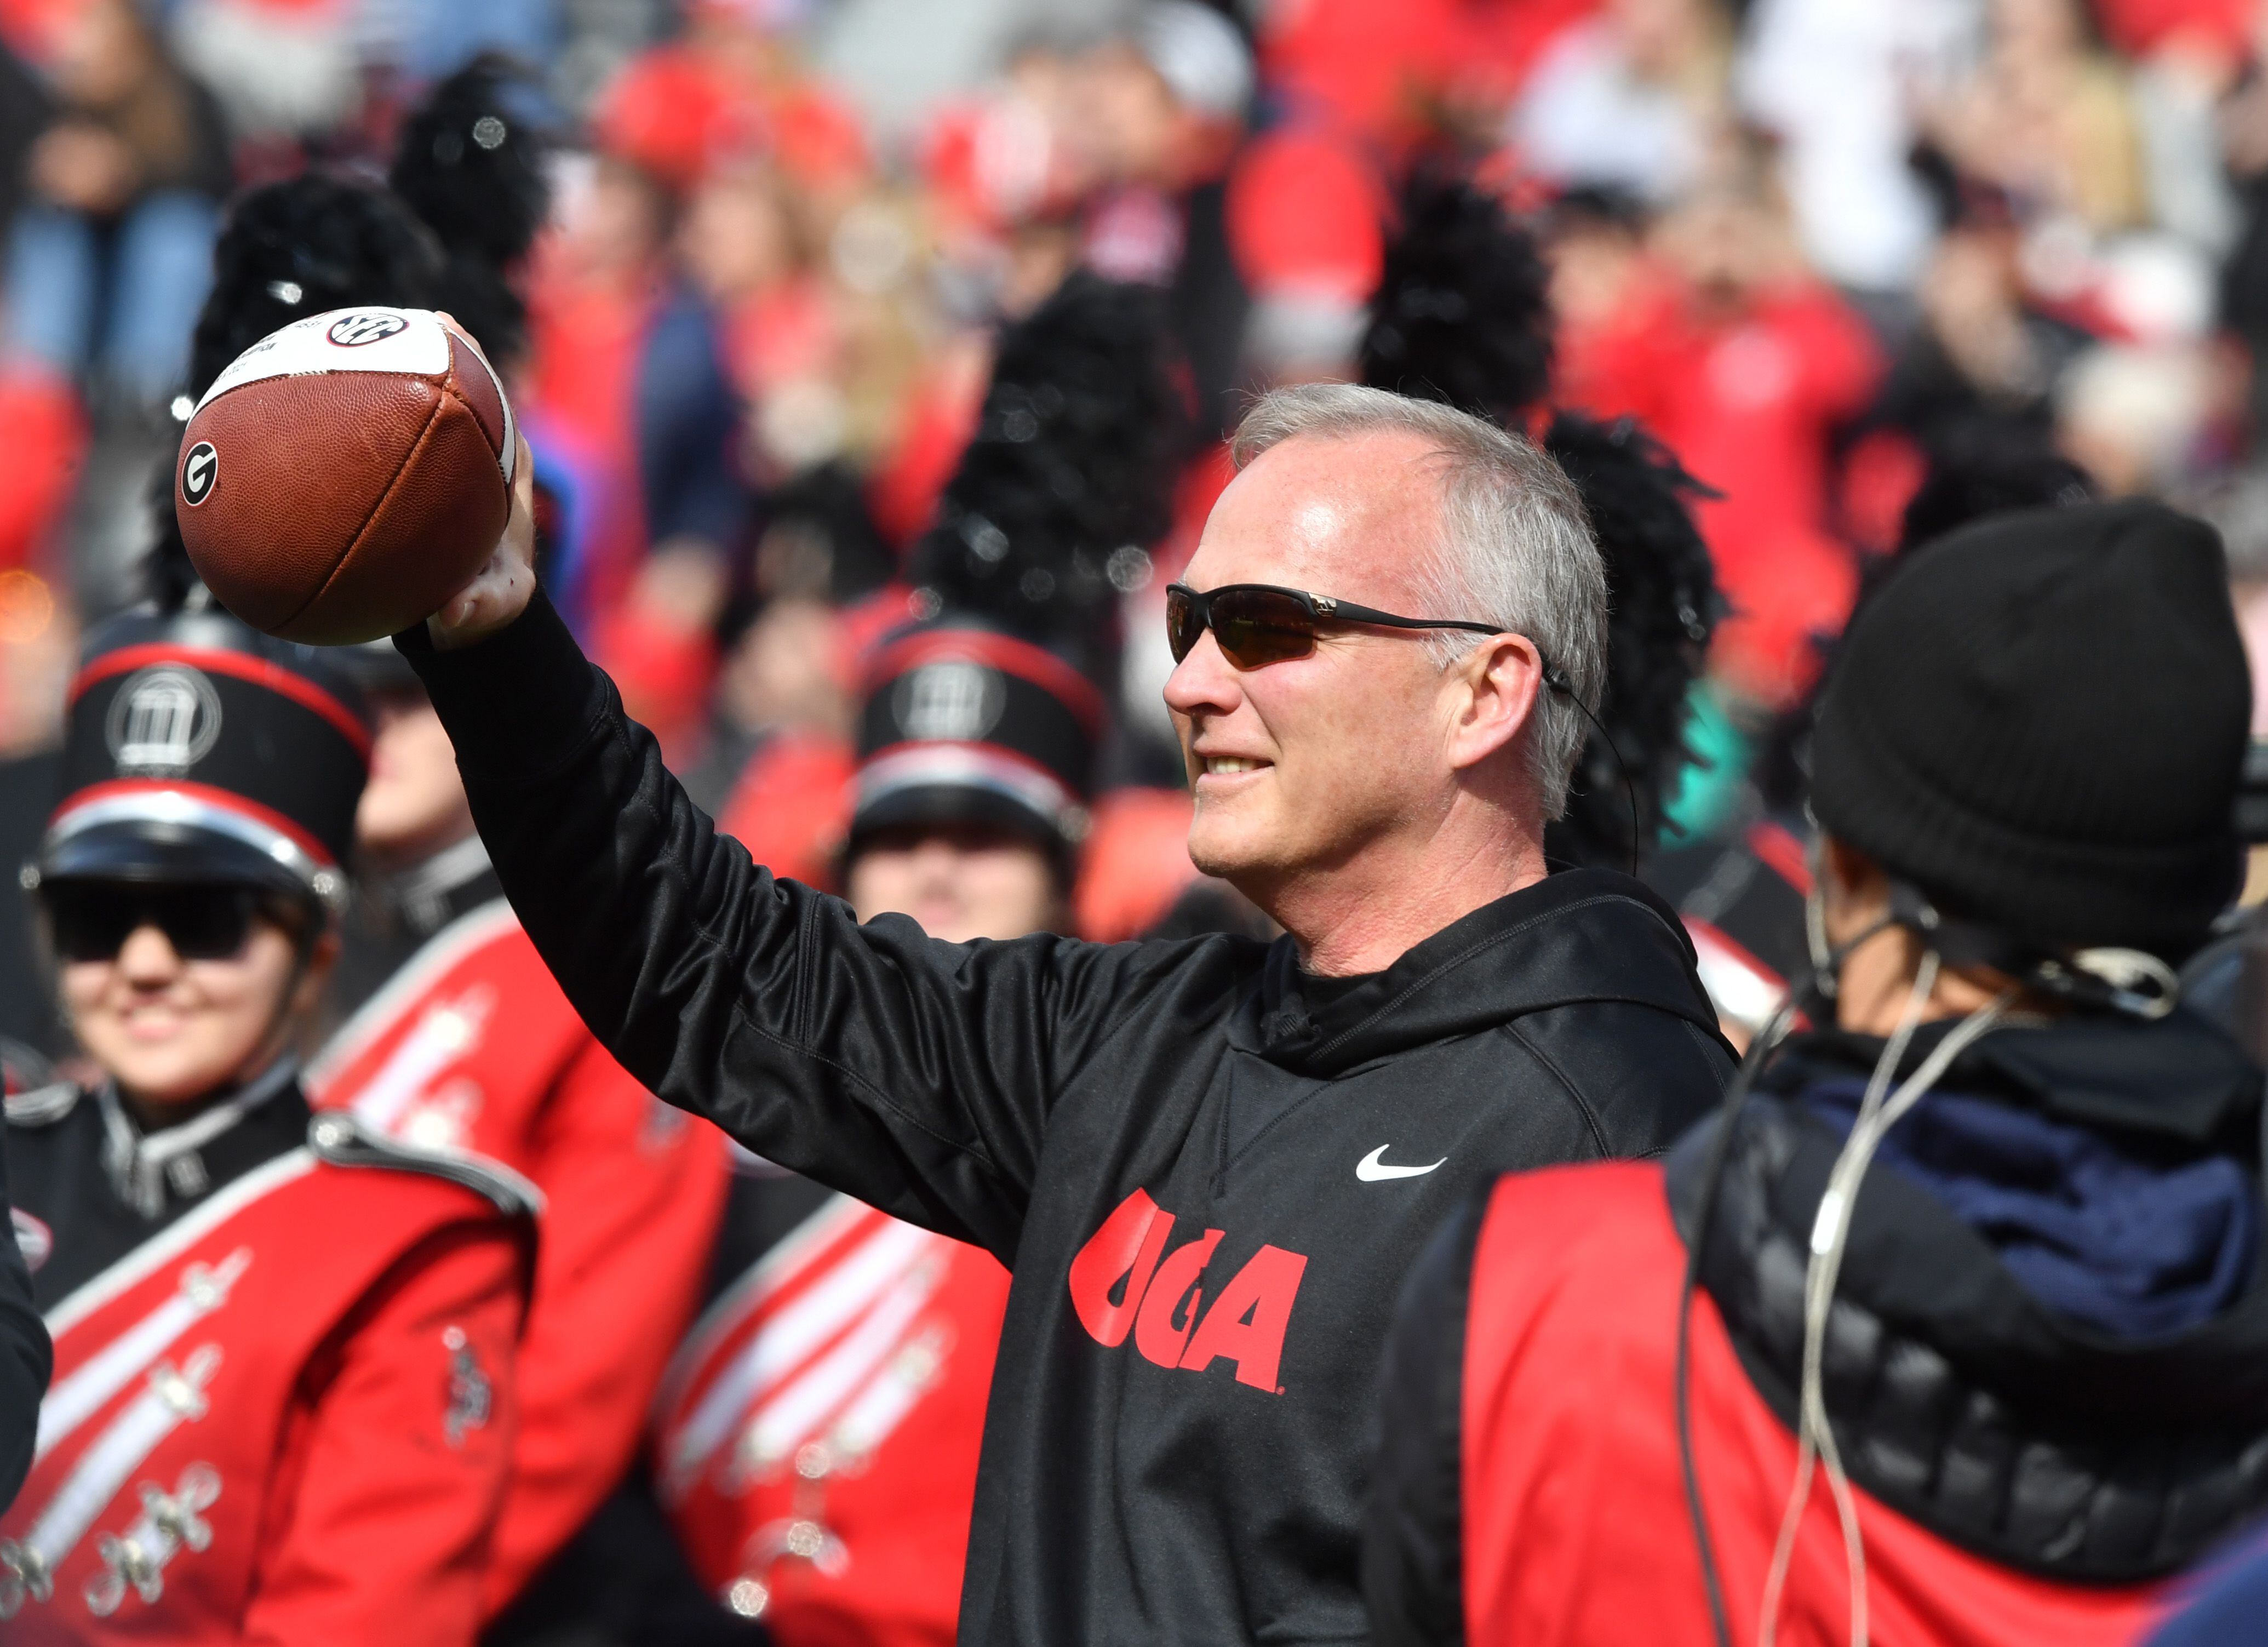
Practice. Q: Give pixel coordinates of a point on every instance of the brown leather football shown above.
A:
(347, 475)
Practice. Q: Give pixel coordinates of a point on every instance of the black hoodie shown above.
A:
(1207, 1174)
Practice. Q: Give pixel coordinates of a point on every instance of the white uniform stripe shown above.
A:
(89, 1386)
(790, 1418)
(173, 1399)
(882, 1406)
(1737, 990)
(375, 1016)
(447, 1031)
(176, 1238)
(784, 1343)
(788, 1257)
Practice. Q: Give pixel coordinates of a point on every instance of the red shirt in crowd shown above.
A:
(1749, 401)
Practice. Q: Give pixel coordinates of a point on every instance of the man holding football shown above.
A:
(1207, 1163)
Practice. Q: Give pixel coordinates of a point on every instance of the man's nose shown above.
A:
(1203, 682)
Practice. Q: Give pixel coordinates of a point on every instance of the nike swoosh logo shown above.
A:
(1372, 1170)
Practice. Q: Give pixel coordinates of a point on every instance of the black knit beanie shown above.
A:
(2040, 721)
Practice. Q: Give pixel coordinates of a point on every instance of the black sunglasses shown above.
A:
(91, 920)
(1259, 624)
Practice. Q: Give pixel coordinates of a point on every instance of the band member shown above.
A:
(817, 1435)
(282, 1404)
(466, 1043)
(26, 1355)
(458, 1036)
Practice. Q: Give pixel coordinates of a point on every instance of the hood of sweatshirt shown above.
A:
(1577, 935)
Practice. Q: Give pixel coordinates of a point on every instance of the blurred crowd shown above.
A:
(809, 308)
(1813, 245)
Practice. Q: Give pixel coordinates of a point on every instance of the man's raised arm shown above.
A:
(912, 1073)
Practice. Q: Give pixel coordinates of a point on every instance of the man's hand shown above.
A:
(505, 585)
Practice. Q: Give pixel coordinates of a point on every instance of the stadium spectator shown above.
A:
(1164, 110)
(2049, 117)
(107, 261)
(2000, 1343)
(1632, 98)
(1752, 366)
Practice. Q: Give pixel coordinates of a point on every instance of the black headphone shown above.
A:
(1556, 679)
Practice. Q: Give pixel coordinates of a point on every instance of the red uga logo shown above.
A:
(1124, 1281)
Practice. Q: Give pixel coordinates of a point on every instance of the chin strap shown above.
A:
(2105, 978)
(1555, 679)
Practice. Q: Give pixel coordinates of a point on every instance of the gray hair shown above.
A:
(1515, 548)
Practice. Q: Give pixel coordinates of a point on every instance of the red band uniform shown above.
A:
(282, 1406)
(466, 1043)
(816, 1438)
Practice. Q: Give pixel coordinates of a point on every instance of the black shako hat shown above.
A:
(2040, 721)
(196, 748)
(961, 724)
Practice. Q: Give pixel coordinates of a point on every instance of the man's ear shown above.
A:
(1501, 681)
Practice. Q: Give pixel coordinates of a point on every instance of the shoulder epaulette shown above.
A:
(345, 1142)
(41, 1106)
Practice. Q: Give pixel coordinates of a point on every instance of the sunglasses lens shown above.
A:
(202, 923)
(1257, 627)
(1183, 624)
(88, 924)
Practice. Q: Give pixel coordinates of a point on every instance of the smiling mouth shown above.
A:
(1226, 765)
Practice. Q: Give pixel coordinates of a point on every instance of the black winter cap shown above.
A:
(2040, 722)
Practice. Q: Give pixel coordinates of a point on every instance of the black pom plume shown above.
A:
(1663, 606)
(1069, 478)
(471, 163)
(1461, 314)
(300, 247)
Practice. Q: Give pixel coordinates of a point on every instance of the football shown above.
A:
(346, 475)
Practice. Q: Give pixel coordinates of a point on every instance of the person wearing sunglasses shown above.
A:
(1206, 1163)
(283, 1402)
